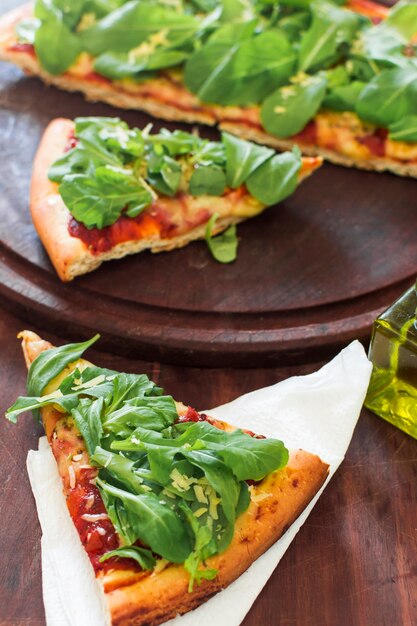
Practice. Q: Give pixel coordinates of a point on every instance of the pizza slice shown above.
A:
(101, 190)
(170, 504)
(335, 79)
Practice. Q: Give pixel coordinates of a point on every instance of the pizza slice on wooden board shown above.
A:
(101, 190)
(336, 79)
(170, 504)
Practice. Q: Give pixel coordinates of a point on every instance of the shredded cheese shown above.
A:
(199, 494)
(71, 476)
(94, 517)
(258, 497)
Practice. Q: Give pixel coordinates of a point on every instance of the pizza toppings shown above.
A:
(145, 478)
(289, 59)
(123, 184)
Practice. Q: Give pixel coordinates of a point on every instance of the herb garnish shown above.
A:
(242, 53)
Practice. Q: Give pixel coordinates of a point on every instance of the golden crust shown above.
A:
(149, 97)
(158, 597)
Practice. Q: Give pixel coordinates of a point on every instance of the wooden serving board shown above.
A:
(311, 274)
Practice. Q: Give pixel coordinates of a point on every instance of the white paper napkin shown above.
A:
(317, 412)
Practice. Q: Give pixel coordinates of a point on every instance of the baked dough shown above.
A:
(150, 598)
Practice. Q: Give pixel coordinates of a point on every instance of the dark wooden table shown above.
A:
(354, 562)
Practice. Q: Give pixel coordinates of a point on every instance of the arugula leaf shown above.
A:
(237, 66)
(403, 18)
(142, 556)
(98, 201)
(116, 65)
(135, 22)
(242, 158)
(247, 457)
(404, 130)
(203, 548)
(88, 416)
(224, 246)
(344, 97)
(287, 111)
(57, 48)
(164, 173)
(321, 45)
(207, 180)
(70, 393)
(276, 179)
(120, 468)
(154, 523)
(50, 363)
(152, 413)
(389, 97)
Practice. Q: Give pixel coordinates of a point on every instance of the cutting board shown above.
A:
(311, 273)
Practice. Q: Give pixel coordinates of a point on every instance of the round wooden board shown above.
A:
(311, 274)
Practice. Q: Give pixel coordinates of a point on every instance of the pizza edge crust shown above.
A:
(159, 597)
(111, 94)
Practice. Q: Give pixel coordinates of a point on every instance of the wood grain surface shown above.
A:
(311, 274)
(353, 563)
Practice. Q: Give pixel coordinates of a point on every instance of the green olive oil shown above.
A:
(392, 392)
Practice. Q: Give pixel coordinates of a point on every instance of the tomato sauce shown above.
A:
(98, 535)
(375, 141)
(99, 240)
(308, 134)
(27, 48)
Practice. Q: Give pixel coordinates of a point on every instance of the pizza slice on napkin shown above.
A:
(170, 504)
(101, 190)
(335, 78)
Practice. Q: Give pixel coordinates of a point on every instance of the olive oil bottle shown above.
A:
(392, 392)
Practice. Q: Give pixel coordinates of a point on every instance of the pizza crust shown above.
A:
(149, 599)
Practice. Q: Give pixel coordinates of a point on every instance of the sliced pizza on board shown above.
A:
(101, 190)
(170, 504)
(335, 78)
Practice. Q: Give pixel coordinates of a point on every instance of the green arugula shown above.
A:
(98, 201)
(331, 28)
(389, 97)
(223, 247)
(239, 66)
(57, 47)
(277, 178)
(242, 158)
(134, 23)
(286, 112)
(404, 129)
(143, 557)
